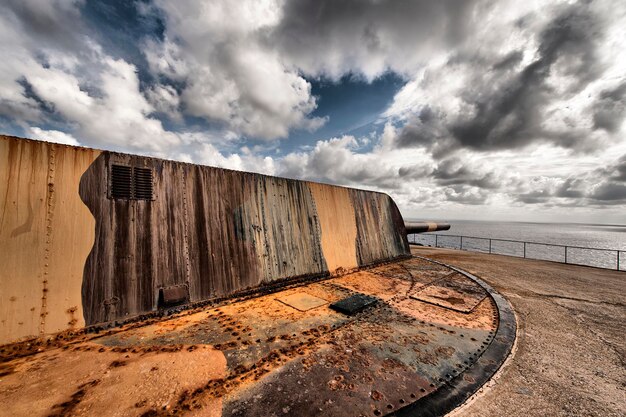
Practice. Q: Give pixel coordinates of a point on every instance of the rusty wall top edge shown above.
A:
(9, 137)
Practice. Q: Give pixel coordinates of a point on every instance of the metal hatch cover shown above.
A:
(353, 304)
(302, 301)
(454, 292)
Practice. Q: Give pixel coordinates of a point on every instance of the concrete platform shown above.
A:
(432, 337)
(570, 357)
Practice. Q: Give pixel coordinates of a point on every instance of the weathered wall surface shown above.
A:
(46, 233)
(380, 228)
(338, 226)
(211, 230)
(214, 230)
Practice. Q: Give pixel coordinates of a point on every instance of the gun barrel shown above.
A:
(421, 227)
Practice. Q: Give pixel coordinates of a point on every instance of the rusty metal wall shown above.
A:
(380, 227)
(46, 233)
(212, 230)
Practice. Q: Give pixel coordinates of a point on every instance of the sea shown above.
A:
(588, 244)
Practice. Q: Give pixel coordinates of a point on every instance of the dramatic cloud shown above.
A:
(337, 161)
(506, 107)
(515, 96)
(610, 109)
(53, 76)
(332, 38)
(453, 172)
(229, 77)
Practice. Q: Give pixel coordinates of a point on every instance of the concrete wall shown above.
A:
(75, 256)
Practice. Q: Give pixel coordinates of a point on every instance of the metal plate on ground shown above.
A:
(353, 304)
(302, 301)
(454, 292)
(416, 271)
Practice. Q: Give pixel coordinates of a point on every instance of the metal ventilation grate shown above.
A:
(131, 183)
(121, 182)
(143, 183)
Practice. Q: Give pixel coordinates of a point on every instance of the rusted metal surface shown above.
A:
(268, 358)
(133, 225)
(173, 295)
(454, 291)
(46, 232)
(302, 301)
(377, 221)
(354, 304)
(217, 231)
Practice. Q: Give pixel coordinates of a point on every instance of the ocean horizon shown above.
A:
(609, 238)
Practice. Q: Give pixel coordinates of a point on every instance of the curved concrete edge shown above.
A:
(458, 390)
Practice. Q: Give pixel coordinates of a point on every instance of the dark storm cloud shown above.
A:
(512, 117)
(50, 22)
(330, 37)
(610, 109)
(512, 114)
(426, 129)
(620, 170)
(597, 188)
(53, 24)
(612, 188)
(415, 172)
(535, 197)
(610, 191)
(510, 61)
(571, 188)
(453, 172)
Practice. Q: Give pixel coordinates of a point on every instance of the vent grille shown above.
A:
(143, 183)
(131, 183)
(121, 182)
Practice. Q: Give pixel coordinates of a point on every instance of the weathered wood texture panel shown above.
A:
(46, 233)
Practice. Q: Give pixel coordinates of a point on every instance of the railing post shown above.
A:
(436, 244)
(489, 245)
(524, 249)
(461, 242)
(566, 254)
(618, 260)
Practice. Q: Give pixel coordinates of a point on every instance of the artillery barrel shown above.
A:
(421, 227)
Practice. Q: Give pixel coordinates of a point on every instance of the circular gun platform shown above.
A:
(410, 338)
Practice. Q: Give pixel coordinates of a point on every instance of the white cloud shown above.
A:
(52, 136)
(230, 76)
(165, 99)
(207, 154)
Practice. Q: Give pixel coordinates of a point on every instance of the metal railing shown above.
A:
(575, 255)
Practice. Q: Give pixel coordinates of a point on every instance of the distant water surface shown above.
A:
(568, 234)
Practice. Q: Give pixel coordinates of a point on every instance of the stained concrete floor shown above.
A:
(570, 357)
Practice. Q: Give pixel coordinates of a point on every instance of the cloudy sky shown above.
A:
(495, 110)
